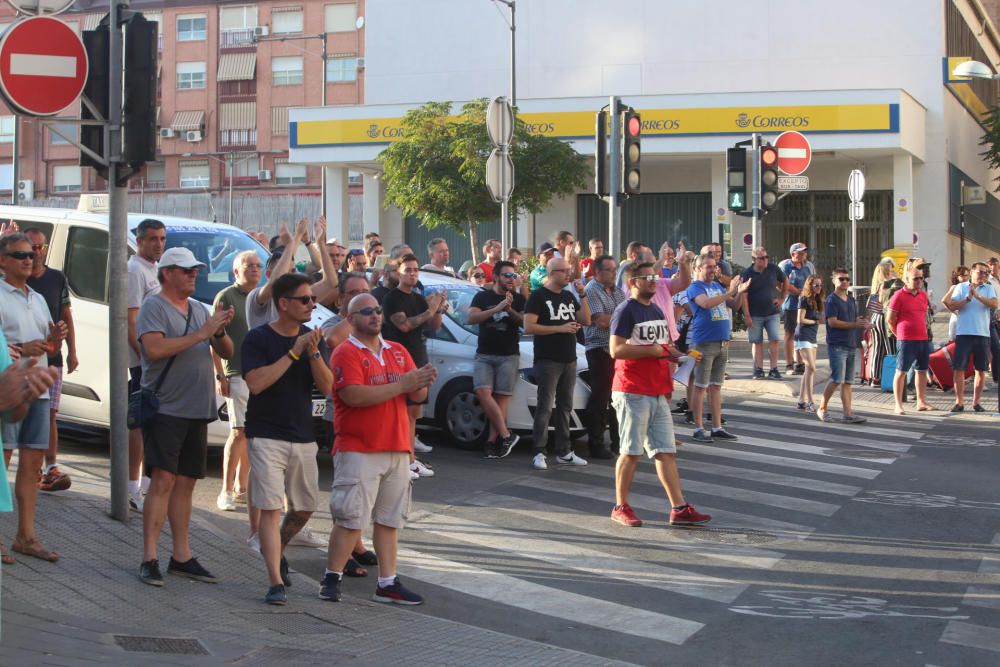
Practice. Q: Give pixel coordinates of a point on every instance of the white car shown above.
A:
(452, 405)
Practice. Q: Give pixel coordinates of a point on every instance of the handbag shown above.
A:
(144, 403)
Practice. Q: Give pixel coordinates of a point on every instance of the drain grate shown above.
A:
(293, 623)
(734, 536)
(174, 645)
(863, 453)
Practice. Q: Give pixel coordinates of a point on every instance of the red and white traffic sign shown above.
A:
(43, 66)
(794, 152)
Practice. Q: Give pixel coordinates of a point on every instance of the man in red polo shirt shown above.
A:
(908, 323)
(372, 380)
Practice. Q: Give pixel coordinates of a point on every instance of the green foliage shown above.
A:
(991, 140)
(437, 172)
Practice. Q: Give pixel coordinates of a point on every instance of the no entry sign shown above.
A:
(794, 153)
(43, 66)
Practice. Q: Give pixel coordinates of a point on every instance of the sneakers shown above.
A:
(800, 369)
(682, 407)
(397, 593)
(689, 417)
(688, 516)
(538, 463)
(54, 480)
(701, 435)
(570, 459)
(758, 374)
(774, 374)
(329, 588)
(276, 595)
(977, 407)
(722, 434)
(226, 501)
(802, 406)
(283, 570)
(491, 449)
(421, 448)
(853, 419)
(790, 369)
(957, 408)
(422, 469)
(504, 445)
(414, 476)
(149, 573)
(191, 569)
(136, 500)
(625, 515)
(254, 542)
(240, 497)
(307, 538)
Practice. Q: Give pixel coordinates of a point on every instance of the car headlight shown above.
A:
(528, 375)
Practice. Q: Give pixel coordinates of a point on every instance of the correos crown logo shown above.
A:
(373, 130)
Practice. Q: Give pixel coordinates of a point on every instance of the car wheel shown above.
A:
(461, 416)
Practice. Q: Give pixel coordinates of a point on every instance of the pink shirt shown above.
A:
(911, 314)
(665, 301)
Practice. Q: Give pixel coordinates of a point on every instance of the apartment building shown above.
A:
(229, 72)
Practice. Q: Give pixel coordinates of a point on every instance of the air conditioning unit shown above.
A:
(166, 133)
(260, 31)
(264, 175)
(193, 136)
(361, 63)
(25, 191)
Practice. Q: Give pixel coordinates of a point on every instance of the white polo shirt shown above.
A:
(24, 316)
(141, 283)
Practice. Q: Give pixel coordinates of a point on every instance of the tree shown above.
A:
(437, 171)
(991, 140)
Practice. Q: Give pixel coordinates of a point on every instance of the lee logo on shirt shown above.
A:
(565, 312)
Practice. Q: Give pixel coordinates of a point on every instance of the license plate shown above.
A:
(319, 408)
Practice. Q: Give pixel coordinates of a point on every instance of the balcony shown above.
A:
(144, 184)
(238, 91)
(241, 38)
(241, 181)
(237, 140)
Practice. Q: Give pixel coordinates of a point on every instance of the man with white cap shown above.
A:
(175, 333)
(797, 270)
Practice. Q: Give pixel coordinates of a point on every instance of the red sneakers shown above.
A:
(688, 516)
(54, 480)
(625, 515)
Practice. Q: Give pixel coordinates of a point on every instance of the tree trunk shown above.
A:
(474, 242)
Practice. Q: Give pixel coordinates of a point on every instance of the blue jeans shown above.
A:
(841, 363)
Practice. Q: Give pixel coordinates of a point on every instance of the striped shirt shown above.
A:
(600, 302)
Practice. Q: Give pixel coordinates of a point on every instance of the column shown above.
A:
(338, 204)
(902, 196)
(372, 204)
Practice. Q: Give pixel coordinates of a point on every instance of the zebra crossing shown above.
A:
(540, 555)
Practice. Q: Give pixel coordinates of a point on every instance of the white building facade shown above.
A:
(868, 83)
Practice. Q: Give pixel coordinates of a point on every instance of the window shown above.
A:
(245, 165)
(191, 27)
(279, 120)
(86, 263)
(190, 75)
(194, 175)
(156, 175)
(286, 21)
(342, 69)
(238, 18)
(286, 71)
(66, 178)
(289, 174)
(341, 17)
(7, 129)
(6, 176)
(71, 130)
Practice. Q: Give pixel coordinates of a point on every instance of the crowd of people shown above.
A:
(637, 321)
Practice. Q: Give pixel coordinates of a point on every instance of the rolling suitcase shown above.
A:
(941, 370)
(888, 372)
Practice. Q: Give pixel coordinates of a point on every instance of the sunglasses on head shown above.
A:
(305, 300)
(21, 254)
(368, 311)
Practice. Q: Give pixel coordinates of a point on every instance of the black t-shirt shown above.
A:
(398, 301)
(499, 334)
(763, 289)
(283, 411)
(54, 289)
(554, 308)
(380, 292)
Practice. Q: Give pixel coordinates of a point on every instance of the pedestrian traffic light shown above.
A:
(96, 90)
(736, 166)
(768, 178)
(601, 155)
(139, 93)
(631, 151)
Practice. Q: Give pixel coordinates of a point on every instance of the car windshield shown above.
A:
(459, 300)
(216, 247)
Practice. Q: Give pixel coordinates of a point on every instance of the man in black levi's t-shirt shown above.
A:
(553, 317)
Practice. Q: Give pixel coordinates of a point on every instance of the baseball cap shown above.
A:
(797, 247)
(545, 247)
(993, 260)
(179, 256)
(355, 251)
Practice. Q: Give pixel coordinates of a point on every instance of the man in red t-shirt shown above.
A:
(907, 320)
(640, 346)
(492, 250)
(372, 380)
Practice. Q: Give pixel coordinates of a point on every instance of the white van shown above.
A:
(78, 246)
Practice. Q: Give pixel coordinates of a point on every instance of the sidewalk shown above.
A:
(90, 608)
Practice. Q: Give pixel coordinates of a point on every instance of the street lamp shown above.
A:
(975, 70)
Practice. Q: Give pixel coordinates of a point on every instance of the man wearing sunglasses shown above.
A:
(760, 310)
(498, 312)
(973, 301)
(907, 321)
(282, 360)
(842, 326)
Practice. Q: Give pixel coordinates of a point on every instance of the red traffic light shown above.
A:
(768, 156)
(634, 126)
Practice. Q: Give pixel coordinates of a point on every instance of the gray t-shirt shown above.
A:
(257, 314)
(330, 323)
(189, 388)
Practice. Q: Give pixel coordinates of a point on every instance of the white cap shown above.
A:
(179, 256)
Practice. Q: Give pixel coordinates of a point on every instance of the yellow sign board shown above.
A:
(960, 86)
(655, 123)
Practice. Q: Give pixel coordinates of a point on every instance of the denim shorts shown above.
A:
(841, 363)
(913, 352)
(978, 347)
(712, 367)
(755, 333)
(791, 319)
(497, 372)
(32, 432)
(644, 423)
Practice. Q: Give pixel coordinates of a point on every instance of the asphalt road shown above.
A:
(831, 544)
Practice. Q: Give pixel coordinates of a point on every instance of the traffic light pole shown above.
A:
(118, 274)
(614, 176)
(755, 189)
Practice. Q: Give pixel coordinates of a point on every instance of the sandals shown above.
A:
(6, 558)
(35, 550)
(365, 557)
(354, 569)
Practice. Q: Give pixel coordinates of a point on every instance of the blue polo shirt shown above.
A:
(974, 318)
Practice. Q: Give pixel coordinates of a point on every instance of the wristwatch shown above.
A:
(220, 377)
(315, 355)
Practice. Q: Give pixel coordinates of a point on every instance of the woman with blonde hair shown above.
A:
(878, 341)
(810, 314)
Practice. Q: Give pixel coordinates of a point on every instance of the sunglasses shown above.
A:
(761, 257)
(40, 247)
(508, 274)
(187, 271)
(368, 311)
(21, 254)
(558, 270)
(843, 279)
(478, 275)
(304, 300)
(651, 278)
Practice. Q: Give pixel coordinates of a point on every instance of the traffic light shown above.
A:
(768, 178)
(631, 151)
(96, 90)
(736, 166)
(139, 93)
(601, 155)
